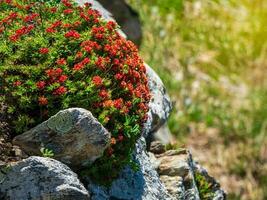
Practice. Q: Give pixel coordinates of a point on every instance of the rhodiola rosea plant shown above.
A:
(59, 55)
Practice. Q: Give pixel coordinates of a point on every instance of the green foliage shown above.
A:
(59, 55)
(204, 188)
(47, 153)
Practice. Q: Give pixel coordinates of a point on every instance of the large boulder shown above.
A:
(40, 178)
(74, 135)
(143, 184)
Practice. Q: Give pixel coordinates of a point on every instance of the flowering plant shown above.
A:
(59, 55)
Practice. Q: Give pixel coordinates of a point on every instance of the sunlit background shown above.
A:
(212, 57)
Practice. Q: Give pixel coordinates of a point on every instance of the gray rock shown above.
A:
(143, 184)
(160, 104)
(175, 186)
(41, 178)
(163, 134)
(74, 135)
(157, 147)
(177, 172)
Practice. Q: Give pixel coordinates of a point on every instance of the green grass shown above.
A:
(204, 188)
(212, 57)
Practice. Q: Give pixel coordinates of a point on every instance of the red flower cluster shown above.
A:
(9, 18)
(90, 16)
(81, 64)
(61, 61)
(72, 34)
(43, 50)
(66, 3)
(42, 101)
(68, 11)
(118, 103)
(84, 62)
(20, 32)
(17, 83)
(97, 80)
(60, 90)
(40, 85)
(30, 17)
(103, 94)
(52, 28)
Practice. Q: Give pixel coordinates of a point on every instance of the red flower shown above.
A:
(43, 50)
(17, 83)
(118, 103)
(67, 26)
(85, 61)
(53, 10)
(68, 11)
(50, 30)
(40, 85)
(66, 3)
(88, 49)
(100, 62)
(103, 94)
(123, 84)
(118, 76)
(62, 78)
(108, 103)
(60, 90)
(61, 61)
(76, 24)
(31, 17)
(79, 54)
(128, 104)
(42, 101)
(53, 73)
(143, 107)
(78, 66)
(72, 34)
(87, 4)
(97, 80)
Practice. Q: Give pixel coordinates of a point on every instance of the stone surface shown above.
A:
(74, 135)
(143, 184)
(174, 185)
(177, 172)
(40, 178)
(157, 147)
(164, 135)
(178, 163)
(160, 104)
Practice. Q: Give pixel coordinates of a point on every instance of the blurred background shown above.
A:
(212, 57)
